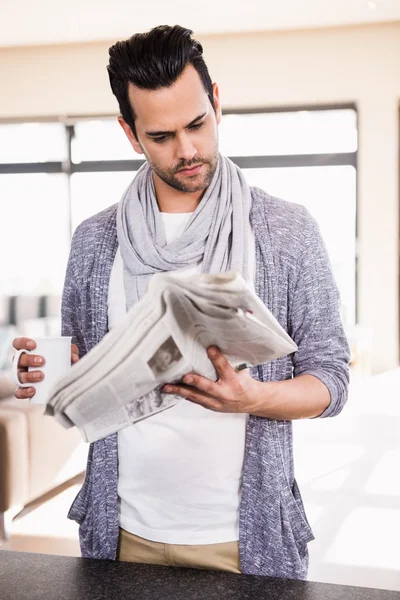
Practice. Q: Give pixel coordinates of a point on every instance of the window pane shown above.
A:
(32, 142)
(34, 233)
(329, 193)
(101, 139)
(93, 192)
(283, 133)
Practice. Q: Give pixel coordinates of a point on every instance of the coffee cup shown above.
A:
(56, 352)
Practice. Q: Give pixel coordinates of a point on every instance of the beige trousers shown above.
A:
(220, 557)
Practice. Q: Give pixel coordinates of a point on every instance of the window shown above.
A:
(307, 157)
(288, 133)
(34, 234)
(33, 143)
(54, 175)
(93, 192)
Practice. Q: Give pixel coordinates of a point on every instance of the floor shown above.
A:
(348, 471)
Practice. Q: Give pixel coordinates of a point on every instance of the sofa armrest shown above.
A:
(7, 386)
(14, 463)
(36, 453)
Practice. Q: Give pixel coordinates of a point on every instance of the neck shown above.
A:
(170, 200)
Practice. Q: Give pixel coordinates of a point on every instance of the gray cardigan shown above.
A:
(294, 279)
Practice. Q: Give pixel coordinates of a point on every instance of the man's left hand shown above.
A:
(233, 392)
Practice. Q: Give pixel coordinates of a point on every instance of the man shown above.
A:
(209, 483)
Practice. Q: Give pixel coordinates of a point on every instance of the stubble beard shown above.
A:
(198, 183)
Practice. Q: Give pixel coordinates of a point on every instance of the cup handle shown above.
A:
(14, 368)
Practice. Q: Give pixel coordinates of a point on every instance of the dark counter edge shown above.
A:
(32, 576)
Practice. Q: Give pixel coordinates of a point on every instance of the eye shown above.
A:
(160, 140)
(197, 126)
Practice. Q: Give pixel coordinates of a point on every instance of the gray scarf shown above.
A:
(217, 232)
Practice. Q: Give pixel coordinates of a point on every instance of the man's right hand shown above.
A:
(35, 361)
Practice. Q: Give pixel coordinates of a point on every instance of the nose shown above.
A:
(186, 150)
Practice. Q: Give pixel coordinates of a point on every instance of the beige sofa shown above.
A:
(36, 453)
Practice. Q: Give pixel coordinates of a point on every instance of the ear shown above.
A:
(129, 134)
(217, 103)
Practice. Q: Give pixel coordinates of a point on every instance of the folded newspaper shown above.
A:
(162, 338)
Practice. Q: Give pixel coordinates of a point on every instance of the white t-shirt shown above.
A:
(180, 472)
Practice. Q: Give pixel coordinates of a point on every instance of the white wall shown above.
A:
(267, 69)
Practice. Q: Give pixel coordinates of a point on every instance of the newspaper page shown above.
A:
(164, 337)
(123, 416)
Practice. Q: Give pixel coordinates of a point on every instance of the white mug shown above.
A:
(56, 352)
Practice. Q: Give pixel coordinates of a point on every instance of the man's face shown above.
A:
(177, 131)
(164, 359)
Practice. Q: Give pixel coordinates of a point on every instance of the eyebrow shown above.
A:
(158, 133)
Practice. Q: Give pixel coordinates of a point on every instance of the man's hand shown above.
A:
(302, 397)
(33, 360)
(233, 392)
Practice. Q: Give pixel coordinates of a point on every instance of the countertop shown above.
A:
(30, 576)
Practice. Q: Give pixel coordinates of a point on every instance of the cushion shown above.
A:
(7, 386)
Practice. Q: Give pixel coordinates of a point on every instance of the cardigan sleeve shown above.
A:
(71, 309)
(314, 319)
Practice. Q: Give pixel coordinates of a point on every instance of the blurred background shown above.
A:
(310, 94)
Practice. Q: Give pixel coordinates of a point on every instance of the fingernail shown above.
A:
(31, 390)
(38, 360)
(188, 379)
(30, 344)
(213, 352)
(38, 376)
(167, 389)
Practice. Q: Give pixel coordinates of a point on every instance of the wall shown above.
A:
(255, 70)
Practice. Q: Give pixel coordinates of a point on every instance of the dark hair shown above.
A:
(154, 60)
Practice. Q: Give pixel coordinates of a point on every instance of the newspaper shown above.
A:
(162, 338)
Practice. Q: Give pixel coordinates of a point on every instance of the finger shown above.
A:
(194, 396)
(223, 368)
(74, 349)
(24, 393)
(205, 402)
(30, 360)
(202, 383)
(30, 377)
(23, 343)
(74, 353)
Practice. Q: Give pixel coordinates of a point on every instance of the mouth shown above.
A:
(191, 171)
